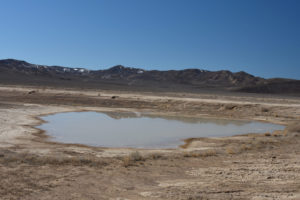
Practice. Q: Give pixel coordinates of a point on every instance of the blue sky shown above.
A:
(257, 36)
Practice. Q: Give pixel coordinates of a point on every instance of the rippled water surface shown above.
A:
(141, 131)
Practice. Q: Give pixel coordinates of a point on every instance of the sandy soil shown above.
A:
(253, 166)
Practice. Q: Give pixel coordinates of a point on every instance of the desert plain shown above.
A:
(250, 166)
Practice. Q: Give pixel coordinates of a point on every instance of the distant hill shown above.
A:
(18, 72)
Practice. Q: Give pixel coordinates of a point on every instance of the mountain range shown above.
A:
(16, 72)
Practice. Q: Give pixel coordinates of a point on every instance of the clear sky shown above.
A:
(261, 37)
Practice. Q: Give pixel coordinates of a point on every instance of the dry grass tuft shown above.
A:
(132, 159)
(265, 110)
(155, 156)
(136, 156)
(231, 150)
(266, 143)
(267, 134)
(127, 161)
(278, 133)
(206, 153)
(245, 147)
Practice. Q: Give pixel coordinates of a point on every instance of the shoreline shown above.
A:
(42, 134)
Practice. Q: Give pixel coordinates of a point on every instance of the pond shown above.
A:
(138, 130)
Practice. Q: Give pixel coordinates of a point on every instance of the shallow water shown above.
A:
(141, 131)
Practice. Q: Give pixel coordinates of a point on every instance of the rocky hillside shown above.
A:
(120, 77)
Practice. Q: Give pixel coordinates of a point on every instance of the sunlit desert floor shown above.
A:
(252, 166)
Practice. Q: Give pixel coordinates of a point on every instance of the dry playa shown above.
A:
(252, 166)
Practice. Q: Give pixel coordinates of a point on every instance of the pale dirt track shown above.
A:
(241, 167)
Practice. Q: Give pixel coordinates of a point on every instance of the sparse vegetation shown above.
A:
(245, 147)
(31, 159)
(205, 153)
(136, 156)
(265, 110)
(267, 134)
(278, 133)
(127, 161)
(132, 158)
(155, 156)
(231, 150)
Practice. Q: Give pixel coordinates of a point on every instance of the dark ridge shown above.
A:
(16, 72)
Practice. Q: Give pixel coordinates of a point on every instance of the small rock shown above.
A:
(31, 92)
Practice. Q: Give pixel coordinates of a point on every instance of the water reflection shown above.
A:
(120, 115)
(141, 130)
